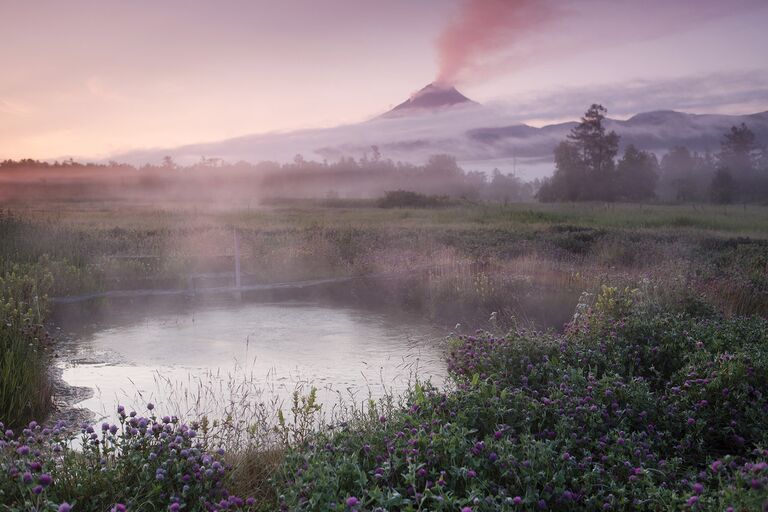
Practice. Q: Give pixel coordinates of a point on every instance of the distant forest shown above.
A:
(369, 177)
(587, 168)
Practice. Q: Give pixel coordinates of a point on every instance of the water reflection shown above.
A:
(191, 357)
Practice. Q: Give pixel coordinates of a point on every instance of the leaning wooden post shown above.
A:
(237, 259)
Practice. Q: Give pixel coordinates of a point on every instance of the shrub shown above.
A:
(409, 199)
(142, 463)
(632, 409)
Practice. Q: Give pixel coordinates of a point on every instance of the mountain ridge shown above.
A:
(480, 136)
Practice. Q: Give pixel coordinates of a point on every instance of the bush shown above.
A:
(142, 463)
(632, 409)
(408, 199)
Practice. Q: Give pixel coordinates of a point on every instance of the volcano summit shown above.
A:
(430, 98)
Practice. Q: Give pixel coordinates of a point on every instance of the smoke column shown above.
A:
(484, 28)
(490, 37)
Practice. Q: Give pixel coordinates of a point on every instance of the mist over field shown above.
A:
(358, 256)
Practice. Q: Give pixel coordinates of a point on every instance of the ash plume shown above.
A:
(491, 37)
(484, 28)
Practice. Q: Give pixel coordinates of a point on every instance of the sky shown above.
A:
(92, 78)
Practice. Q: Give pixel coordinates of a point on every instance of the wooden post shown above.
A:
(237, 259)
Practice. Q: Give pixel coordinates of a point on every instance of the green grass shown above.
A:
(700, 270)
(25, 391)
(485, 256)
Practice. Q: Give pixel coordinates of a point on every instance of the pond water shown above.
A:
(193, 356)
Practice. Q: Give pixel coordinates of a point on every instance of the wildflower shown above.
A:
(65, 507)
(45, 479)
(517, 500)
(23, 450)
(692, 501)
(150, 406)
(715, 466)
(698, 488)
(466, 509)
(352, 501)
(174, 507)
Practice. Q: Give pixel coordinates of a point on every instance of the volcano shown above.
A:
(430, 98)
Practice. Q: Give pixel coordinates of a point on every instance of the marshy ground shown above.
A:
(672, 298)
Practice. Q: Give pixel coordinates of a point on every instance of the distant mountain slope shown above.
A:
(480, 135)
(429, 98)
(654, 131)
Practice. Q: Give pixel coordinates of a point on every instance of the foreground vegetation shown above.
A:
(634, 407)
(525, 263)
(653, 398)
(24, 385)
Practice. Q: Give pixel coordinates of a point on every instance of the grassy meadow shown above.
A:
(653, 396)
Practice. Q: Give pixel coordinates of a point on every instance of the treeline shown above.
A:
(373, 177)
(587, 169)
(368, 177)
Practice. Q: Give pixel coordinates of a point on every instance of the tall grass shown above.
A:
(25, 390)
(481, 259)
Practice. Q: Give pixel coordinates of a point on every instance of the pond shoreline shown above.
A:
(106, 347)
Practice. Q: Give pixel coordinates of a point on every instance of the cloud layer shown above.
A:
(492, 135)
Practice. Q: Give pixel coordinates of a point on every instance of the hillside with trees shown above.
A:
(587, 169)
